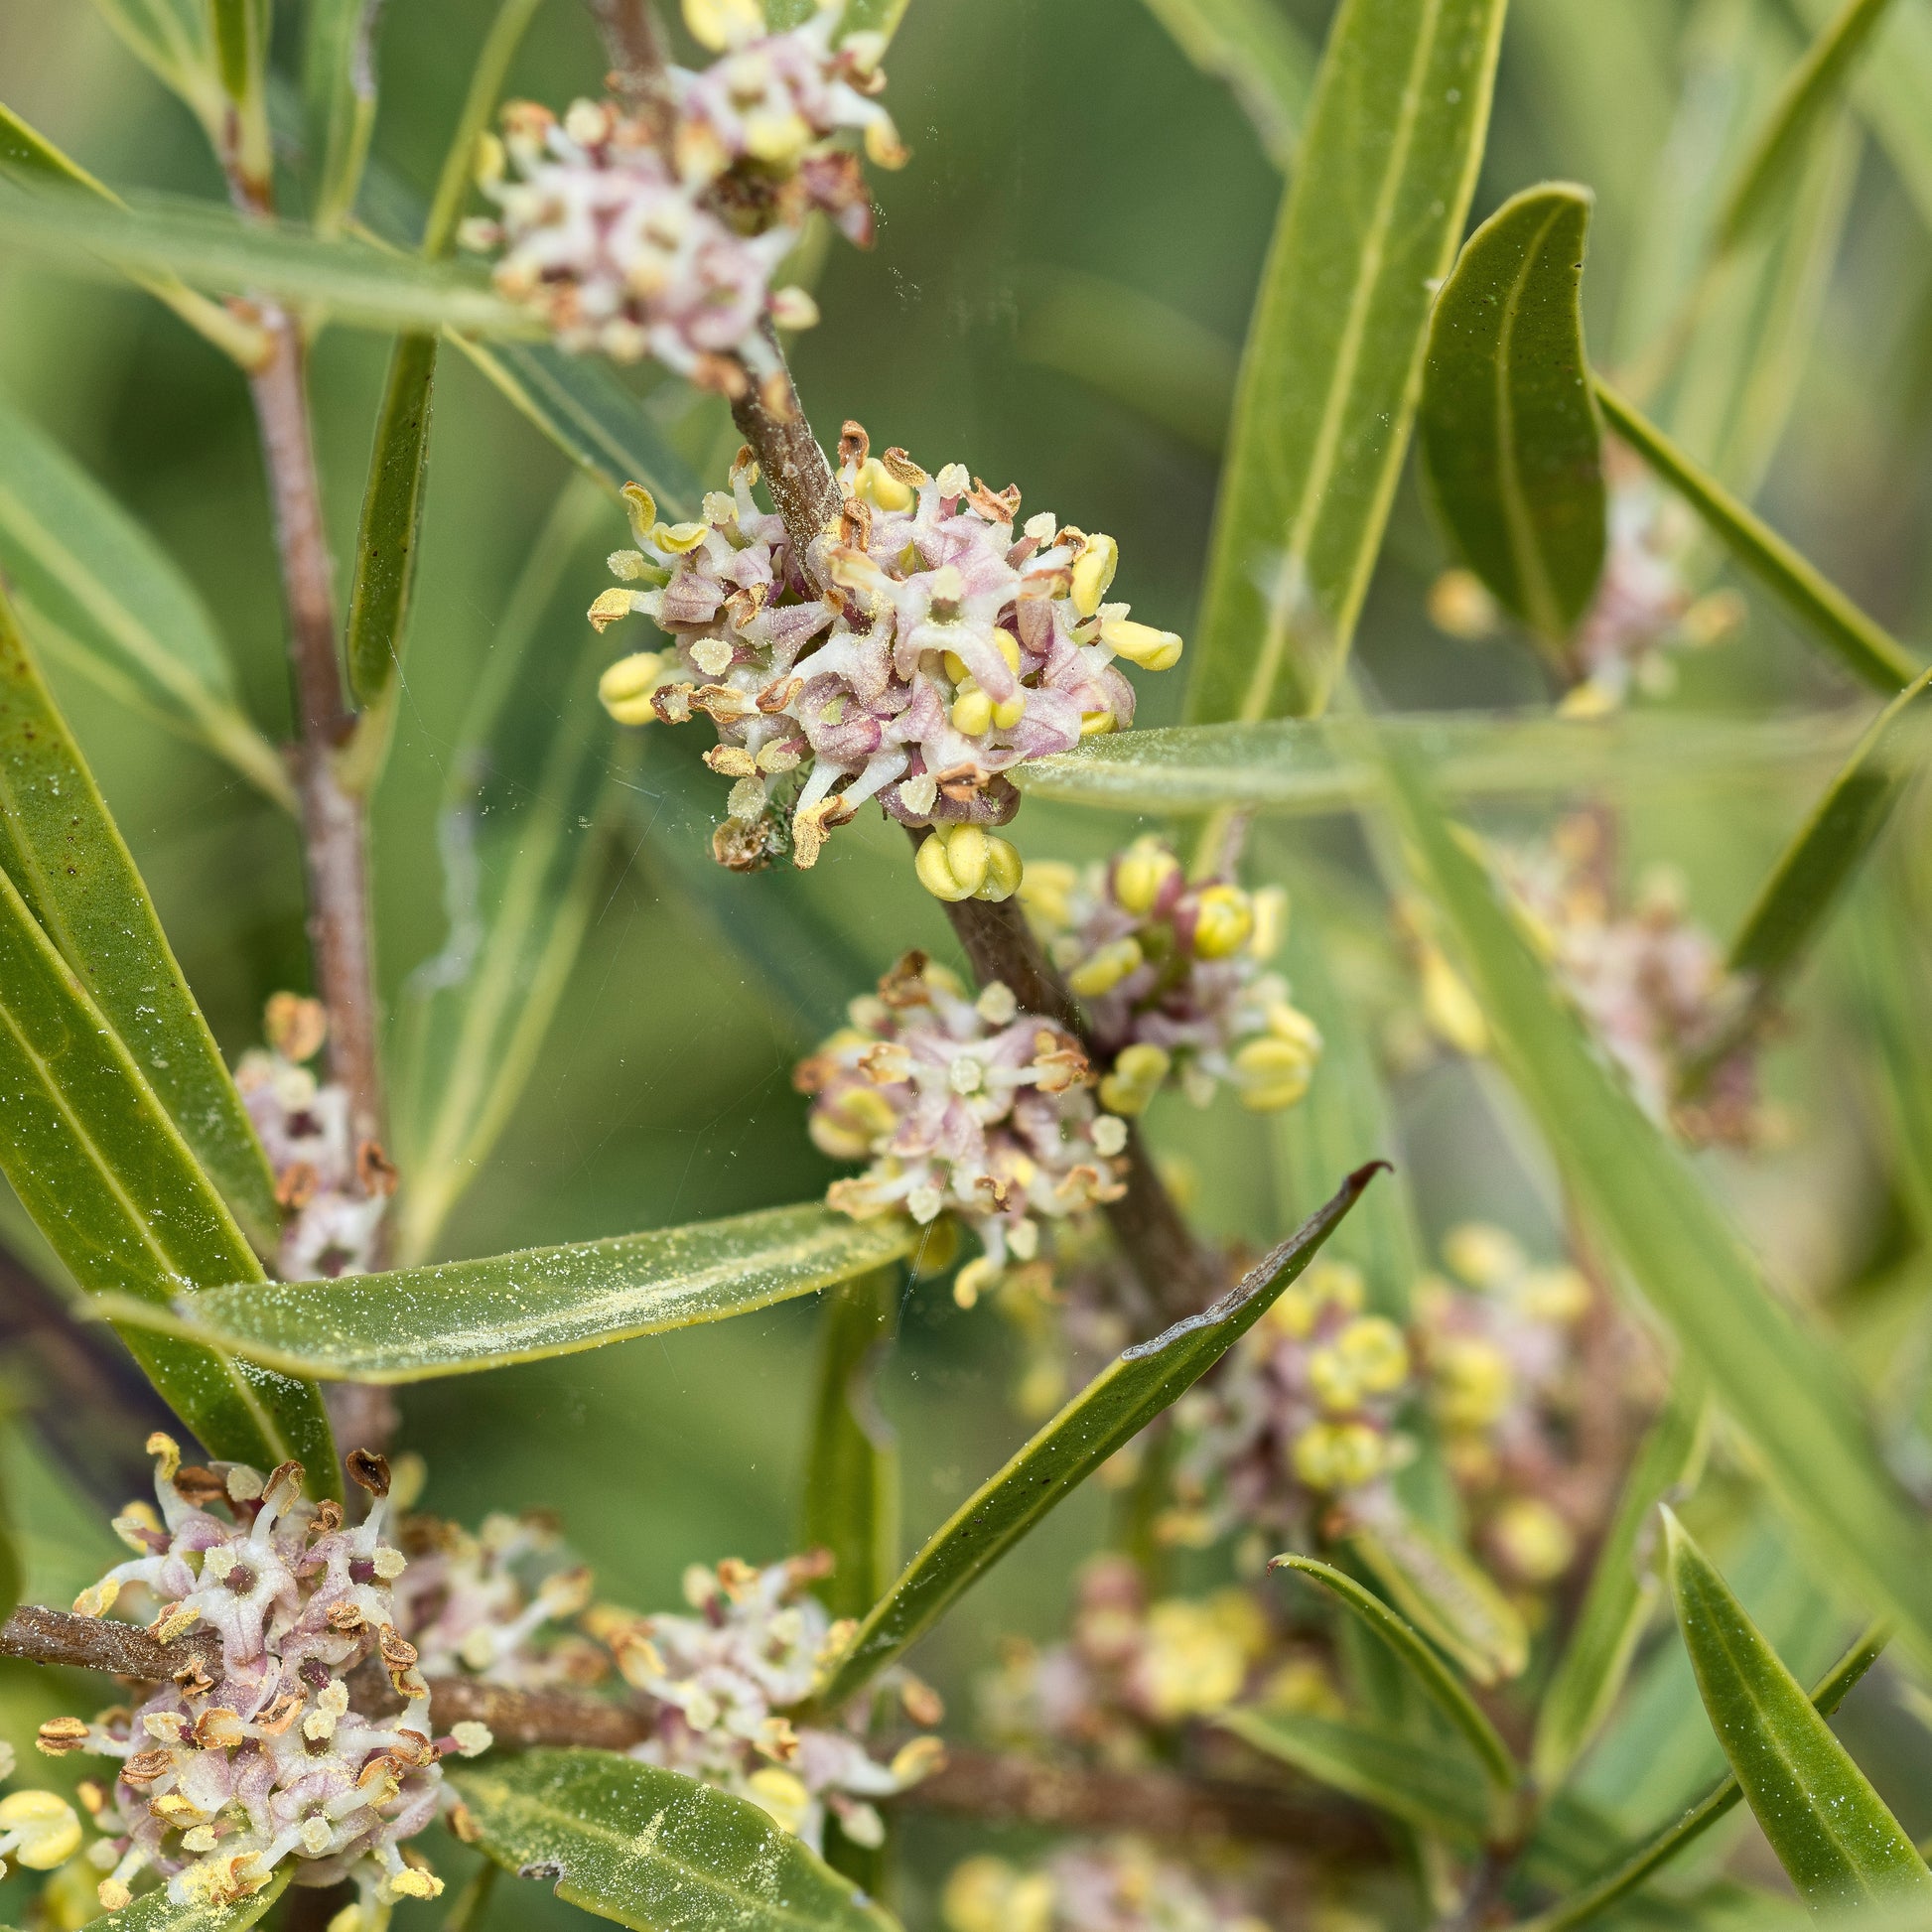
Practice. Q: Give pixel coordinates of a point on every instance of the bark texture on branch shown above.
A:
(803, 488)
(43, 1636)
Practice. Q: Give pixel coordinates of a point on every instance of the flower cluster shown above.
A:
(334, 1191)
(945, 649)
(1130, 1669)
(720, 1683)
(961, 1106)
(1499, 1362)
(1651, 983)
(1119, 1884)
(264, 1752)
(1171, 976)
(1299, 1421)
(656, 229)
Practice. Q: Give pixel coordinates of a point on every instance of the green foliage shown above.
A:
(1258, 52)
(1440, 1589)
(1509, 434)
(1831, 1831)
(1109, 1412)
(339, 88)
(653, 1849)
(463, 1316)
(1328, 378)
(154, 1913)
(1789, 1396)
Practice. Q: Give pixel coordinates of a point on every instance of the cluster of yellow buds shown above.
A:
(1499, 1361)
(39, 1830)
(1171, 976)
(946, 648)
(1300, 1421)
(655, 228)
(1119, 1884)
(962, 1106)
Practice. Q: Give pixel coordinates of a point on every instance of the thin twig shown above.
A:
(635, 41)
(42, 1636)
(771, 419)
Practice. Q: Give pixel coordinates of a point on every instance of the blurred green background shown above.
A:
(1057, 295)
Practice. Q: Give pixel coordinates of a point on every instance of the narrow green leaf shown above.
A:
(154, 1911)
(1591, 1673)
(1865, 647)
(171, 37)
(1306, 765)
(851, 1461)
(1110, 1411)
(339, 88)
(1431, 1675)
(110, 1182)
(64, 853)
(1428, 1785)
(652, 1849)
(1831, 1831)
(417, 1323)
(393, 519)
(1657, 1850)
(1441, 1590)
(1890, 89)
(210, 248)
(1510, 437)
(1780, 1384)
(1333, 358)
(1258, 53)
(238, 45)
(1893, 966)
(1807, 93)
(521, 832)
(590, 416)
(82, 568)
(478, 104)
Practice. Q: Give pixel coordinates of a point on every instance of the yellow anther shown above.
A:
(1559, 1295)
(952, 863)
(1532, 1539)
(1097, 724)
(1006, 871)
(878, 485)
(1473, 1382)
(1292, 1025)
(640, 506)
(1376, 1355)
(1140, 644)
(1336, 1285)
(1273, 1073)
(1460, 607)
(1337, 1454)
(1008, 714)
(1190, 1664)
(972, 712)
(957, 667)
(1142, 873)
(1093, 571)
(1486, 1256)
(1009, 646)
(782, 1795)
(849, 1129)
(973, 1279)
(793, 307)
(777, 138)
(1048, 890)
(609, 606)
(678, 538)
(39, 1830)
(1271, 921)
(1135, 1079)
(626, 688)
(1450, 1007)
(1104, 970)
(1224, 921)
(719, 24)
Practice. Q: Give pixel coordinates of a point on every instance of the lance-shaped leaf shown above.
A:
(1622, 1589)
(210, 248)
(417, 1323)
(1426, 1670)
(1109, 1412)
(1439, 1588)
(1865, 646)
(1253, 49)
(1328, 378)
(1780, 1384)
(1510, 437)
(652, 1849)
(1803, 888)
(1658, 1849)
(1426, 1784)
(154, 1911)
(112, 1183)
(1894, 967)
(63, 851)
(1808, 91)
(1831, 1831)
(1889, 89)
(173, 38)
(103, 598)
(852, 1462)
(1304, 765)
(338, 98)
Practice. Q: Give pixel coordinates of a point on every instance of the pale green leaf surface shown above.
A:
(479, 103)
(1437, 1586)
(154, 1911)
(1303, 765)
(1831, 1831)
(1253, 49)
(420, 1323)
(1890, 89)
(652, 1849)
(80, 565)
(1509, 435)
(1429, 1785)
(110, 1182)
(1779, 1383)
(852, 1464)
(1333, 358)
(338, 92)
(1431, 1675)
(212, 250)
(1110, 1411)
(1591, 1672)
(1865, 646)
(1894, 967)
(66, 855)
(171, 37)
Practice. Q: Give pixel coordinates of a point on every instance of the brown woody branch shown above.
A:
(635, 41)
